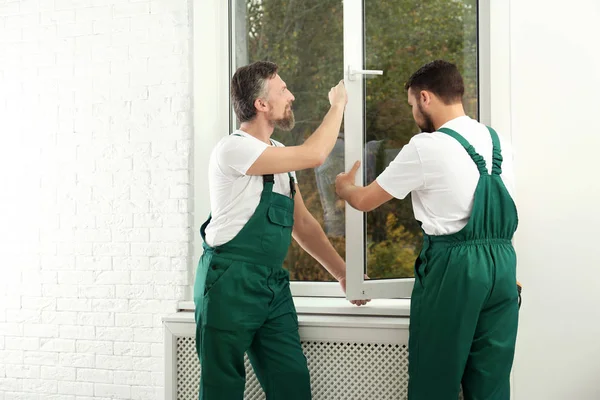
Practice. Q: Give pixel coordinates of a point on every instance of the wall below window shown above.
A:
(95, 143)
(555, 81)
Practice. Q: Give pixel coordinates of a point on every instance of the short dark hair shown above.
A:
(441, 78)
(247, 84)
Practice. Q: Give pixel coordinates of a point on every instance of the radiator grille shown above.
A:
(339, 371)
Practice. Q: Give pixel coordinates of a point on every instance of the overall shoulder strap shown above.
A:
(496, 153)
(476, 157)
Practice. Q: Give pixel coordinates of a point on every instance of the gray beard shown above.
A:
(286, 124)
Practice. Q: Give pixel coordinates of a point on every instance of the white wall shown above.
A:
(555, 70)
(95, 137)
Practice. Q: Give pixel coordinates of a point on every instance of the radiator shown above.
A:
(339, 371)
(349, 358)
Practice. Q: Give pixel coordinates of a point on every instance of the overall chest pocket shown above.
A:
(277, 236)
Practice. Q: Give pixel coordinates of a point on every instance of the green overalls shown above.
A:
(244, 304)
(464, 308)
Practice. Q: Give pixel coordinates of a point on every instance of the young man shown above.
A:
(464, 309)
(242, 295)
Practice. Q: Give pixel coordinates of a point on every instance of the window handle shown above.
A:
(352, 72)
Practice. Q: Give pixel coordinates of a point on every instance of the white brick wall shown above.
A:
(95, 143)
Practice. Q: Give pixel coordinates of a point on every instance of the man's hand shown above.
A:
(342, 282)
(361, 198)
(345, 180)
(338, 95)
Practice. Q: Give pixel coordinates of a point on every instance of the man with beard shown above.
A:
(464, 308)
(242, 295)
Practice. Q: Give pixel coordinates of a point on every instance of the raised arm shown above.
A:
(314, 151)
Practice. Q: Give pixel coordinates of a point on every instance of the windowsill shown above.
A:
(340, 306)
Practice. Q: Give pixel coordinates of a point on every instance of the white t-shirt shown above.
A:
(441, 175)
(234, 195)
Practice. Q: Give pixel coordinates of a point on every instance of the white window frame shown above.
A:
(213, 61)
(210, 104)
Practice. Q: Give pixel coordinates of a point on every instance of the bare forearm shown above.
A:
(351, 194)
(321, 142)
(312, 239)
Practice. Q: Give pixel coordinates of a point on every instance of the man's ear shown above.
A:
(261, 105)
(425, 97)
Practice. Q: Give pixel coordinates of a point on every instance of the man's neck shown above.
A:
(448, 113)
(258, 128)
